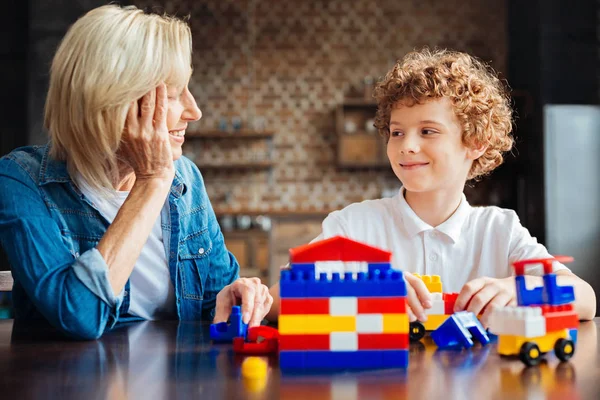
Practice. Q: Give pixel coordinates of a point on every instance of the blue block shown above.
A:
(343, 360)
(380, 281)
(573, 335)
(556, 295)
(528, 297)
(291, 360)
(458, 330)
(224, 332)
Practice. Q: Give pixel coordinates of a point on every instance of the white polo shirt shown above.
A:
(474, 242)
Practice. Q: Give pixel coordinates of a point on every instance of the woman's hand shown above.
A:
(483, 295)
(146, 145)
(251, 293)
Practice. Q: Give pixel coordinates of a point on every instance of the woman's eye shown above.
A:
(428, 131)
(396, 133)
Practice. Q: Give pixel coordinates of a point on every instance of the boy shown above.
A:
(446, 119)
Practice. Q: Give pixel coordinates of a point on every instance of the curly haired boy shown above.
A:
(447, 119)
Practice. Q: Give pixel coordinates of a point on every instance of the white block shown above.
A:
(343, 341)
(518, 321)
(343, 306)
(437, 307)
(369, 323)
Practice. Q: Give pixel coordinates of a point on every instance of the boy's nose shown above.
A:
(409, 146)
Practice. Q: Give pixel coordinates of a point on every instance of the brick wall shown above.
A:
(288, 64)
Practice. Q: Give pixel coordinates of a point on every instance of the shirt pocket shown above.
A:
(194, 261)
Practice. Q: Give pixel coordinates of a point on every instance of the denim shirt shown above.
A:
(50, 231)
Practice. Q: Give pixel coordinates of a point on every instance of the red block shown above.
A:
(269, 344)
(304, 342)
(305, 306)
(382, 341)
(551, 309)
(338, 248)
(558, 321)
(381, 305)
(449, 300)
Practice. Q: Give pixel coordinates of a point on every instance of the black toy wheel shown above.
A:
(530, 354)
(416, 331)
(564, 349)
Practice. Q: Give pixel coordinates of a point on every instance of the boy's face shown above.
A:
(426, 149)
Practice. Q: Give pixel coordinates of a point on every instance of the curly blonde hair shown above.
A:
(479, 98)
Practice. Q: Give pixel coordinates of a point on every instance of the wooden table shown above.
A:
(167, 359)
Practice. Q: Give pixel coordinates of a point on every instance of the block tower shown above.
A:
(349, 321)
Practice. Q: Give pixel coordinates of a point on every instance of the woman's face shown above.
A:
(182, 109)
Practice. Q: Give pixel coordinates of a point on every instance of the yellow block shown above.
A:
(315, 324)
(509, 345)
(395, 323)
(433, 282)
(434, 321)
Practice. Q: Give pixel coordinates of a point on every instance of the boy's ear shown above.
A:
(477, 150)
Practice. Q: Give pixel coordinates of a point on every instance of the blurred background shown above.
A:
(285, 90)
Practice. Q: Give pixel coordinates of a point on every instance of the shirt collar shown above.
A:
(452, 227)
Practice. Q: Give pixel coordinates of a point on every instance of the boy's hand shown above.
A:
(419, 297)
(485, 295)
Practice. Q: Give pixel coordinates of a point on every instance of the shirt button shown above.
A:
(201, 251)
(433, 257)
(125, 293)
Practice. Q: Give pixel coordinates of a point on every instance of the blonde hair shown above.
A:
(479, 99)
(110, 57)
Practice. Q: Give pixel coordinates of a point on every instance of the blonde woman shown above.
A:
(108, 222)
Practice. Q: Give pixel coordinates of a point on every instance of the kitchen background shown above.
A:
(285, 90)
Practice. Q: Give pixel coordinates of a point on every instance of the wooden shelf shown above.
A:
(241, 134)
(234, 166)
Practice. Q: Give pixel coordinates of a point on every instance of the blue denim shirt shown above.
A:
(50, 231)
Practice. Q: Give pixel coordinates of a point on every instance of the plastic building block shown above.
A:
(550, 293)
(343, 360)
(338, 248)
(343, 306)
(449, 301)
(433, 282)
(315, 324)
(381, 305)
(387, 341)
(559, 320)
(369, 323)
(343, 341)
(518, 321)
(254, 368)
(395, 323)
(438, 307)
(224, 332)
(253, 346)
(254, 373)
(383, 282)
(304, 306)
(304, 342)
(434, 321)
(531, 350)
(548, 323)
(458, 331)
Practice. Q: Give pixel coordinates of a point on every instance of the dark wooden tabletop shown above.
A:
(167, 359)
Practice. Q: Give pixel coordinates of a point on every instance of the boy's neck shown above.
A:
(434, 207)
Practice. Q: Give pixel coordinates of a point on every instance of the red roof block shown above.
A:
(338, 248)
